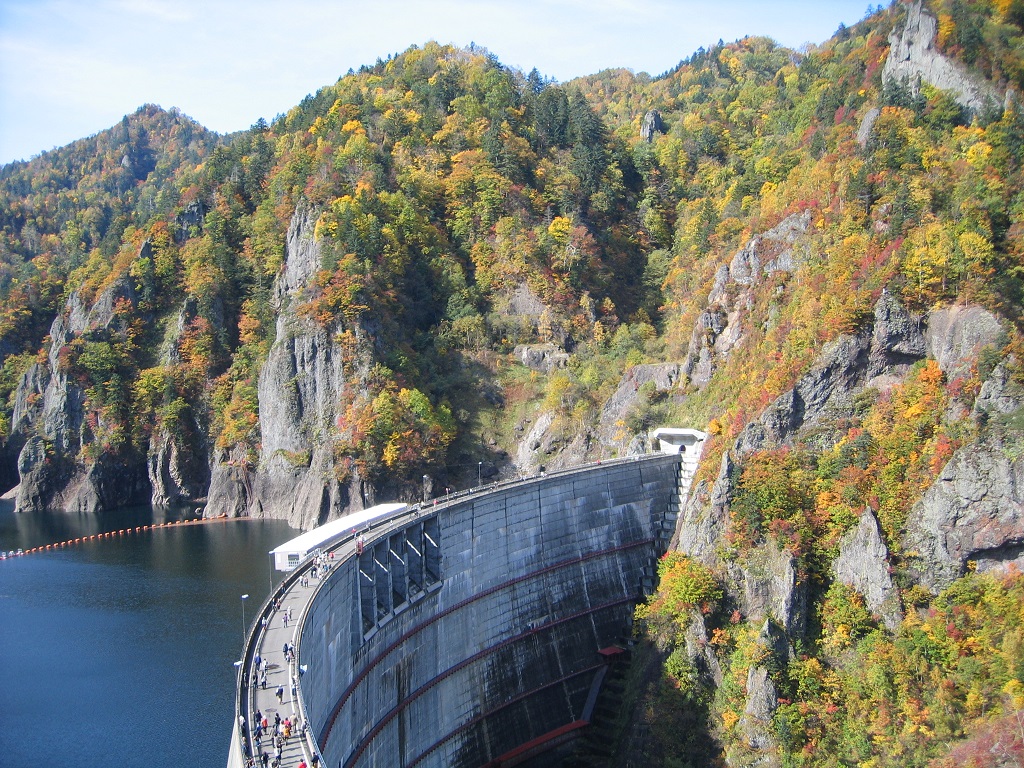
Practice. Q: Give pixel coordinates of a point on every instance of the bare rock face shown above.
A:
(823, 394)
(541, 357)
(28, 404)
(548, 445)
(762, 701)
(231, 492)
(52, 470)
(974, 511)
(867, 123)
(705, 346)
(898, 339)
(1000, 394)
(176, 472)
(705, 520)
(177, 460)
(767, 587)
(955, 335)
(844, 366)
(662, 376)
(300, 388)
(913, 58)
(719, 329)
(863, 563)
(652, 124)
(700, 653)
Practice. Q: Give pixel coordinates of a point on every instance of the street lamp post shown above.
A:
(243, 617)
(479, 473)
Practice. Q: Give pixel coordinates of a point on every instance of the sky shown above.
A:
(72, 68)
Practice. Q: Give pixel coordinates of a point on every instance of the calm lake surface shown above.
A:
(119, 652)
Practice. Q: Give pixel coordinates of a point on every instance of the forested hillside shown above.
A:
(439, 269)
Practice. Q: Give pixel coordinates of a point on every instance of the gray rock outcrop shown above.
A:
(954, 336)
(768, 587)
(913, 57)
(762, 696)
(300, 388)
(177, 460)
(700, 652)
(973, 511)
(1000, 395)
(898, 338)
(541, 357)
(705, 520)
(719, 329)
(762, 701)
(867, 123)
(53, 472)
(651, 125)
(863, 563)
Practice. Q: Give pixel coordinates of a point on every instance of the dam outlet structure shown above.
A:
(473, 631)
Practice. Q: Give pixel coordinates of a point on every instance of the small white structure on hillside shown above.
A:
(677, 440)
(687, 442)
(290, 555)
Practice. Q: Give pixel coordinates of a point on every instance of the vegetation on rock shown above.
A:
(462, 208)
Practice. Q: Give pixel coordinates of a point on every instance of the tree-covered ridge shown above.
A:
(73, 204)
(461, 208)
(923, 203)
(445, 184)
(922, 198)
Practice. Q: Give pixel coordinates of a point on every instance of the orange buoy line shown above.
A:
(120, 532)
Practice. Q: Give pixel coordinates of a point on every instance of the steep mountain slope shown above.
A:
(440, 269)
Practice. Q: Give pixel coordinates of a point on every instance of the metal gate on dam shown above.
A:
(469, 632)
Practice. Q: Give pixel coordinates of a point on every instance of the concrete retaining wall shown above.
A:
(535, 578)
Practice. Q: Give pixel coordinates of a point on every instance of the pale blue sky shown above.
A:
(71, 68)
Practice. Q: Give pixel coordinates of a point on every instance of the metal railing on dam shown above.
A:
(465, 631)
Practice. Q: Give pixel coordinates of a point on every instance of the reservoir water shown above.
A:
(119, 652)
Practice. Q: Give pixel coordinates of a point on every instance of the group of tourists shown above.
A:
(259, 672)
(321, 564)
(271, 737)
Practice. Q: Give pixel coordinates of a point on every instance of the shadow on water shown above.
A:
(120, 650)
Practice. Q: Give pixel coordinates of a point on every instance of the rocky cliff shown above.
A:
(913, 58)
(970, 518)
(301, 387)
(177, 459)
(64, 463)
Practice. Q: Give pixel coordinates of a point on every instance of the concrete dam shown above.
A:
(469, 632)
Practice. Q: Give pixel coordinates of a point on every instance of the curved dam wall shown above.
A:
(471, 634)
